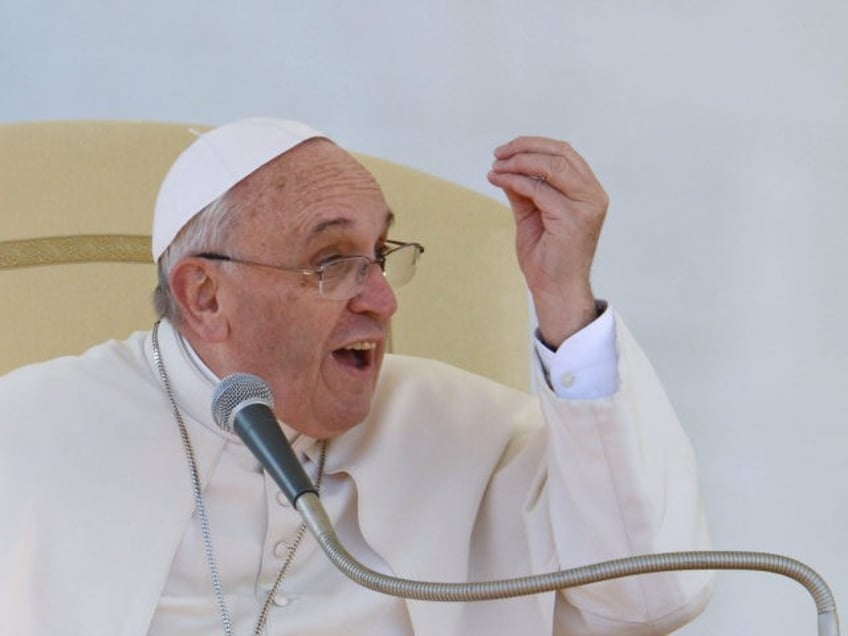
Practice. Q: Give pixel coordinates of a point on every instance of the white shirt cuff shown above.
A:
(585, 367)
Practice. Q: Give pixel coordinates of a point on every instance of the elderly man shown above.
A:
(128, 511)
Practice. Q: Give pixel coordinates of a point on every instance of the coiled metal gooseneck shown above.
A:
(319, 524)
(239, 392)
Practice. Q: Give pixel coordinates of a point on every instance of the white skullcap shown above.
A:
(213, 164)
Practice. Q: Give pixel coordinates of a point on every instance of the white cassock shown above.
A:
(451, 477)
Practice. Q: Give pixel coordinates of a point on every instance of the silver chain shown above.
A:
(200, 508)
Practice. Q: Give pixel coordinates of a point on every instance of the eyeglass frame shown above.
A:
(319, 270)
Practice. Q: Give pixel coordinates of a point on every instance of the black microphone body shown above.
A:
(258, 428)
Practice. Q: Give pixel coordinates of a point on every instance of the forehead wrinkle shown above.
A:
(343, 222)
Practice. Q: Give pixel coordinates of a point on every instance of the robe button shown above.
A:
(281, 601)
(281, 549)
(567, 380)
(281, 499)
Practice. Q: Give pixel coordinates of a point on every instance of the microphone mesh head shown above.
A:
(237, 390)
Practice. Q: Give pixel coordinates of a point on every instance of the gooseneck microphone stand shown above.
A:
(243, 404)
(319, 525)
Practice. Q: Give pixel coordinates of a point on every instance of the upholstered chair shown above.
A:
(77, 197)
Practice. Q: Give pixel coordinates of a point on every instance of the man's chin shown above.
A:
(328, 425)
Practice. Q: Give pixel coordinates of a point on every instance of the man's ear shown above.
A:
(195, 285)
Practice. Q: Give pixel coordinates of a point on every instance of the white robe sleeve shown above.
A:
(620, 480)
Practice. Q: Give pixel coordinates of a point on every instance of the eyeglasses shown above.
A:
(344, 277)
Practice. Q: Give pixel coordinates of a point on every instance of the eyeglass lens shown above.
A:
(400, 265)
(345, 277)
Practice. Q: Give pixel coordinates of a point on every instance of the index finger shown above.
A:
(543, 146)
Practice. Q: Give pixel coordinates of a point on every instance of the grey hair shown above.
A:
(207, 231)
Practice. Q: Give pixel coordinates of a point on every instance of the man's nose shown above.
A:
(377, 295)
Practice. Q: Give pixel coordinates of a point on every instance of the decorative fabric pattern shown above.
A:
(83, 248)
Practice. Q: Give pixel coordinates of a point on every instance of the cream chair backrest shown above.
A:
(76, 199)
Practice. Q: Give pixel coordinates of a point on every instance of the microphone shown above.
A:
(243, 404)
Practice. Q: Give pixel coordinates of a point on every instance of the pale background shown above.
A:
(718, 128)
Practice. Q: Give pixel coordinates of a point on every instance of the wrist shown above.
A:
(560, 318)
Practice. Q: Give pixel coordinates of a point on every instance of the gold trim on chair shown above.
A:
(82, 248)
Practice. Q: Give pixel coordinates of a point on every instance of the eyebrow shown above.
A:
(344, 222)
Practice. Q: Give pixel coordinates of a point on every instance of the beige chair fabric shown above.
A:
(76, 199)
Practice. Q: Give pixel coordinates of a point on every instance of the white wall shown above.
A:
(718, 127)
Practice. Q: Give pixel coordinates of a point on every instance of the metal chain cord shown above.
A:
(200, 507)
(199, 504)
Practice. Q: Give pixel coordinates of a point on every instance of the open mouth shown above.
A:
(359, 355)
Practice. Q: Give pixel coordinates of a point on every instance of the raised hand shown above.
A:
(559, 208)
